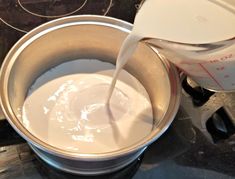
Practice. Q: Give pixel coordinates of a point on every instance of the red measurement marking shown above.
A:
(220, 68)
(211, 76)
(217, 60)
(214, 61)
(226, 76)
(225, 57)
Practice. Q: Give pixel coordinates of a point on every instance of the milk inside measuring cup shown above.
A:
(182, 25)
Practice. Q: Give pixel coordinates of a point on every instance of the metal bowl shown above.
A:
(78, 37)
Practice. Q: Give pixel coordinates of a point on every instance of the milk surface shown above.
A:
(66, 108)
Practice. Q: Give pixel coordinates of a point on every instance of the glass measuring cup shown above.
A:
(211, 65)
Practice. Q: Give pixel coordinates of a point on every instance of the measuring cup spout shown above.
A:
(211, 65)
(173, 51)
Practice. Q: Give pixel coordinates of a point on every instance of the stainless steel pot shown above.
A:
(77, 37)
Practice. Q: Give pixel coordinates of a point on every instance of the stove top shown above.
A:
(200, 143)
(17, 17)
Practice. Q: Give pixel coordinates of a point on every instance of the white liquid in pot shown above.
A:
(69, 111)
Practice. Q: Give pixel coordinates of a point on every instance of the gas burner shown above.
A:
(19, 161)
(198, 94)
(49, 172)
(220, 125)
(212, 113)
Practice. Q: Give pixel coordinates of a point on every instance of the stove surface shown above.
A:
(200, 143)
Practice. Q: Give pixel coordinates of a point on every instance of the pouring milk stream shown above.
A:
(88, 110)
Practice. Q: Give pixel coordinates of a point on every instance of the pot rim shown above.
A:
(109, 21)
